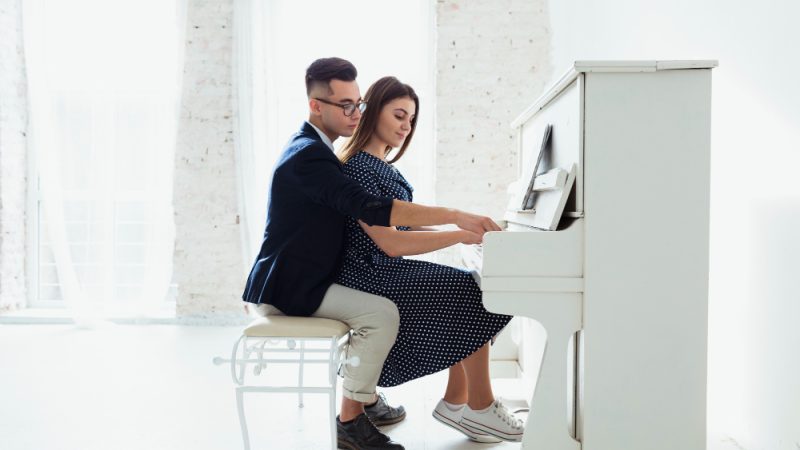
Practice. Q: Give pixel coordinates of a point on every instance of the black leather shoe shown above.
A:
(361, 434)
(381, 413)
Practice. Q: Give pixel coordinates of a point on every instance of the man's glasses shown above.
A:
(347, 108)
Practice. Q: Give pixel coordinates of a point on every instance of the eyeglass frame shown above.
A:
(361, 106)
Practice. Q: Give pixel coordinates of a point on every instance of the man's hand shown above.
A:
(475, 223)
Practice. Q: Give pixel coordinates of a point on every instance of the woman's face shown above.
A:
(394, 123)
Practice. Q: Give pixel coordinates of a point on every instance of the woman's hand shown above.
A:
(468, 237)
(475, 223)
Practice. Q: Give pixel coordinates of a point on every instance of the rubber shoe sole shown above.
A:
(473, 436)
(382, 422)
(481, 428)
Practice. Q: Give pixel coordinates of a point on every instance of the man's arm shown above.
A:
(413, 215)
(321, 178)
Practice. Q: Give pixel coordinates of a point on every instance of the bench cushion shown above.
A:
(293, 326)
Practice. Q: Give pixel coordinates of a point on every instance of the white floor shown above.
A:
(154, 387)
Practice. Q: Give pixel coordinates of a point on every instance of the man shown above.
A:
(300, 256)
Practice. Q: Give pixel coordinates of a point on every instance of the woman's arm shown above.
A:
(424, 229)
(406, 243)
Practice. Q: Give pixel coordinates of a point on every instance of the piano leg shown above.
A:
(560, 314)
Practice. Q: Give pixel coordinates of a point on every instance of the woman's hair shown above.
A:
(378, 95)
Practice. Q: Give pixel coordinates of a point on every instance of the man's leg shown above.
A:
(375, 322)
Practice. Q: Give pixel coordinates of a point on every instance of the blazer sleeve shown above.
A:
(320, 177)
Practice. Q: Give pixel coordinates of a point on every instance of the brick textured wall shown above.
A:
(492, 62)
(13, 124)
(207, 266)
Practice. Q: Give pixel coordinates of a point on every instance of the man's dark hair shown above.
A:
(323, 70)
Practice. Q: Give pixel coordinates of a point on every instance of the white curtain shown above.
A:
(254, 133)
(104, 87)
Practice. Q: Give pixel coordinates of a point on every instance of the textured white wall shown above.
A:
(13, 124)
(492, 61)
(754, 399)
(208, 265)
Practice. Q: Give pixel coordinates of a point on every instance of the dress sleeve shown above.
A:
(320, 177)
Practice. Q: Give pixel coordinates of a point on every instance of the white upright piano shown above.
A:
(612, 258)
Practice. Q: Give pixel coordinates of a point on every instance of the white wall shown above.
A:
(13, 127)
(492, 61)
(754, 398)
(207, 264)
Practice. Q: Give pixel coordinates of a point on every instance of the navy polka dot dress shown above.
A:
(442, 318)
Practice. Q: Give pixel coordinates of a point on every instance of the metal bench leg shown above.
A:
(242, 420)
(300, 371)
(333, 368)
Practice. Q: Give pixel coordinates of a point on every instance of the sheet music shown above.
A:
(528, 200)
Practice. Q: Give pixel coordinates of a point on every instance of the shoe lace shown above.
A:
(506, 416)
(382, 398)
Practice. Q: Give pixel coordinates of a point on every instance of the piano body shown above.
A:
(620, 284)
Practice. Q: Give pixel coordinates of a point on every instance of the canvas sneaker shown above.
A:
(452, 417)
(496, 420)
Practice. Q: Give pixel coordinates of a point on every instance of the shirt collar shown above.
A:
(322, 135)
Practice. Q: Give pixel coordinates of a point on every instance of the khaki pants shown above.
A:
(374, 321)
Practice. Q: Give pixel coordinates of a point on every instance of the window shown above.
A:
(103, 112)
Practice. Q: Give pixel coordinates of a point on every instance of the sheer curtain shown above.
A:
(274, 43)
(104, 86)
(254, 125)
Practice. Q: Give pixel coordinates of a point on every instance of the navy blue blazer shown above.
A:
(309, 201)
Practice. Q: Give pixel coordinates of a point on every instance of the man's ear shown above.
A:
(314, 107)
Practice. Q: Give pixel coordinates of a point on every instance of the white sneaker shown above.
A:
(496, 420)
(451, 418)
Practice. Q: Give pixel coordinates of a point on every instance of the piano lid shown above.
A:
(579, 67)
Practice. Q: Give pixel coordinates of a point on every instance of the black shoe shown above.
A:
(380, 413)
(361, 434)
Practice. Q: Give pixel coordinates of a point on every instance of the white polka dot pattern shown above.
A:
(442, 318)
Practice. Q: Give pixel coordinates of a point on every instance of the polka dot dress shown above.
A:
(442, 318)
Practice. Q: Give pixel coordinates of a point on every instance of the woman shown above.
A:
(443, 324)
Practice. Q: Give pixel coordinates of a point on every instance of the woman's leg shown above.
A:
(479, 386)
(482, 413)
(456, 392)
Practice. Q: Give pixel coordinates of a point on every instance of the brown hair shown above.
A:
(378, 95)
(323, 70)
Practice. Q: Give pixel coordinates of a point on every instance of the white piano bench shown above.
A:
(288, 338)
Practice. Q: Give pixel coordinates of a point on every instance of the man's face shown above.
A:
(332, 117)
